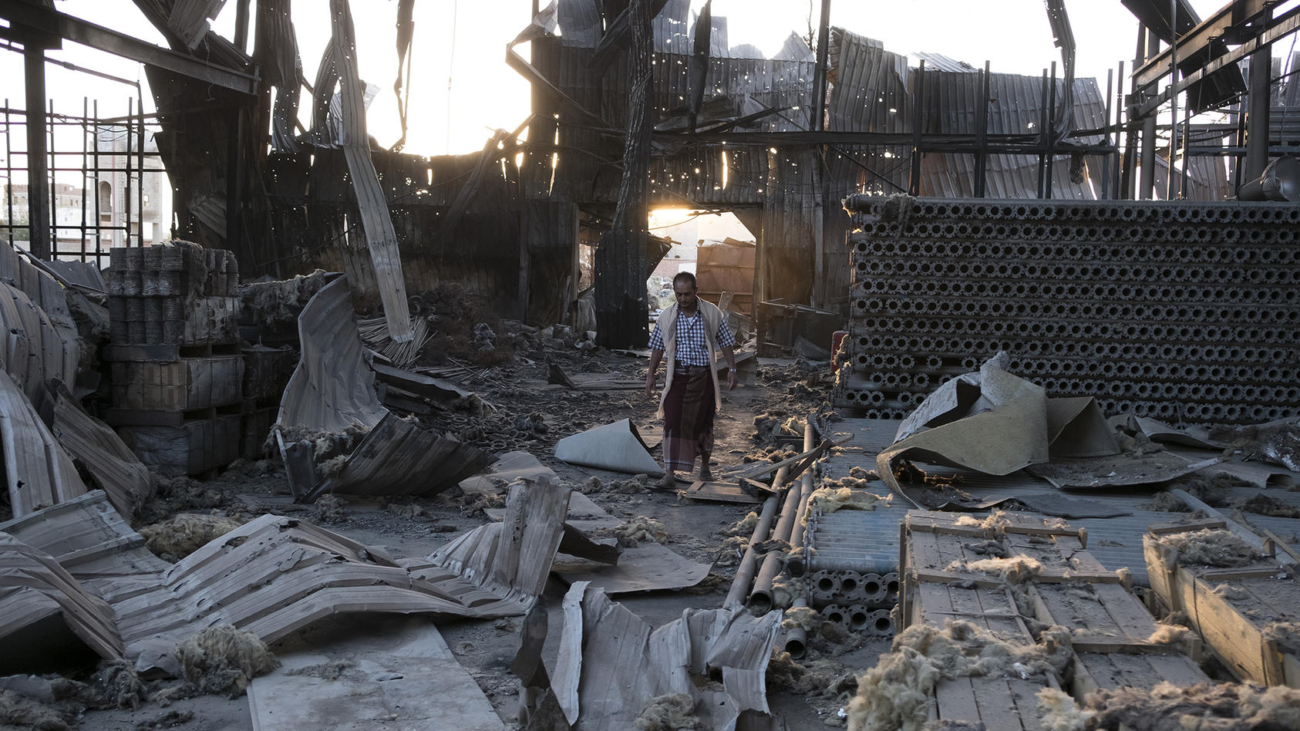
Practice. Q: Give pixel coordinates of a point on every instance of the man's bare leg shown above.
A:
(669, 480)
(706, 474)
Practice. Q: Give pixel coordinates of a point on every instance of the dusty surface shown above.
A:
(530, 415)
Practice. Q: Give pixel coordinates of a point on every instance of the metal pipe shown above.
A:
(1051, 135)
(760, 598)
(1173, 96)
(796, 640)
(797, 564)
(982, 136)
(749, 563)
(915, 187)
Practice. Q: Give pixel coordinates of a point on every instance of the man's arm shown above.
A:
(730, 354)
(655, 356)
(726, 343)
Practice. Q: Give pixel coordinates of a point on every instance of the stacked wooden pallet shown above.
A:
(1247, 614)
(176, 366)
(1015, 571)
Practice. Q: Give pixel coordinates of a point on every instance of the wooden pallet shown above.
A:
(1231, 610)
(1110, 626)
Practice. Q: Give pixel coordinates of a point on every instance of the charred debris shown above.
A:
(365, 440)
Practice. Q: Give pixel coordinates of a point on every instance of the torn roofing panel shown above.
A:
(189, 19)
(376, 222)
(332, 388)
(34, 590)
(400, 457)
(112, 464)
(511, 559)
(275, 575)
(38, 472)
(611, 664)
(93, 543)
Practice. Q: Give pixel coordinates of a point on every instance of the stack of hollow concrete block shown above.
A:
(177, 371)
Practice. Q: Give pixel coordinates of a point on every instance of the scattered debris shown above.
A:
(328, 509)
(224, 660)
(1059, 712)
(1168, 503)
(183, 534)
(408, 511)
(640, 528)
(827, 500)
(896, 692)
(1210, 548)
(1222, 707)
(21, 712)
(674, 712)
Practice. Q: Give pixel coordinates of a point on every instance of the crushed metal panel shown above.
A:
(38, 472)
(611, 664)
(93, 543)
(400, 457)
(511, 559)
(35, 594)
(110, 462)
(276, 52)
(332, 387)
(390, 669)
(79, 274)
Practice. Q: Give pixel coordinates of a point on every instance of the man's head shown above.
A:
(684, 287)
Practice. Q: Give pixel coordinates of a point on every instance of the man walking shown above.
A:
(690, 332)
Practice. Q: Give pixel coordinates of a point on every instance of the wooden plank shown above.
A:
(956, 700)
(1159, 529)
(1230, 636)
(720, 492)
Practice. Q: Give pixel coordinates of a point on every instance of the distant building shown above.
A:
(111, 189)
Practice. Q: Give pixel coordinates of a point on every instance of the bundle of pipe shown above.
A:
(1182, 310)
(744, 578)
(760, 599)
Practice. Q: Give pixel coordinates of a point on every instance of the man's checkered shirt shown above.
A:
(692, 347)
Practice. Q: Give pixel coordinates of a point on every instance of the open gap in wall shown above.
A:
(716, 247)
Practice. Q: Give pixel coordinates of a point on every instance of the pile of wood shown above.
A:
(177, 370)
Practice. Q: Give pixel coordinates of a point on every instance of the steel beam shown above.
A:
(98, 37)
(1287, 26)
(1195, 41)
(38, 183)
(1258, 103)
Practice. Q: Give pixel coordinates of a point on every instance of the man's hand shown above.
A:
(731, 380)
(650, 385)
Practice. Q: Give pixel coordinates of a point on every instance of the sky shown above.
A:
(459, 50)
(462, 88)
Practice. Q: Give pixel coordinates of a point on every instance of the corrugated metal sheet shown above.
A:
(40, 338)
(34, 589)
(93, 543)
(940, 62)
(38, 472)
(333, 387)
(109, 461)
(274, 575)
(399, 457)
